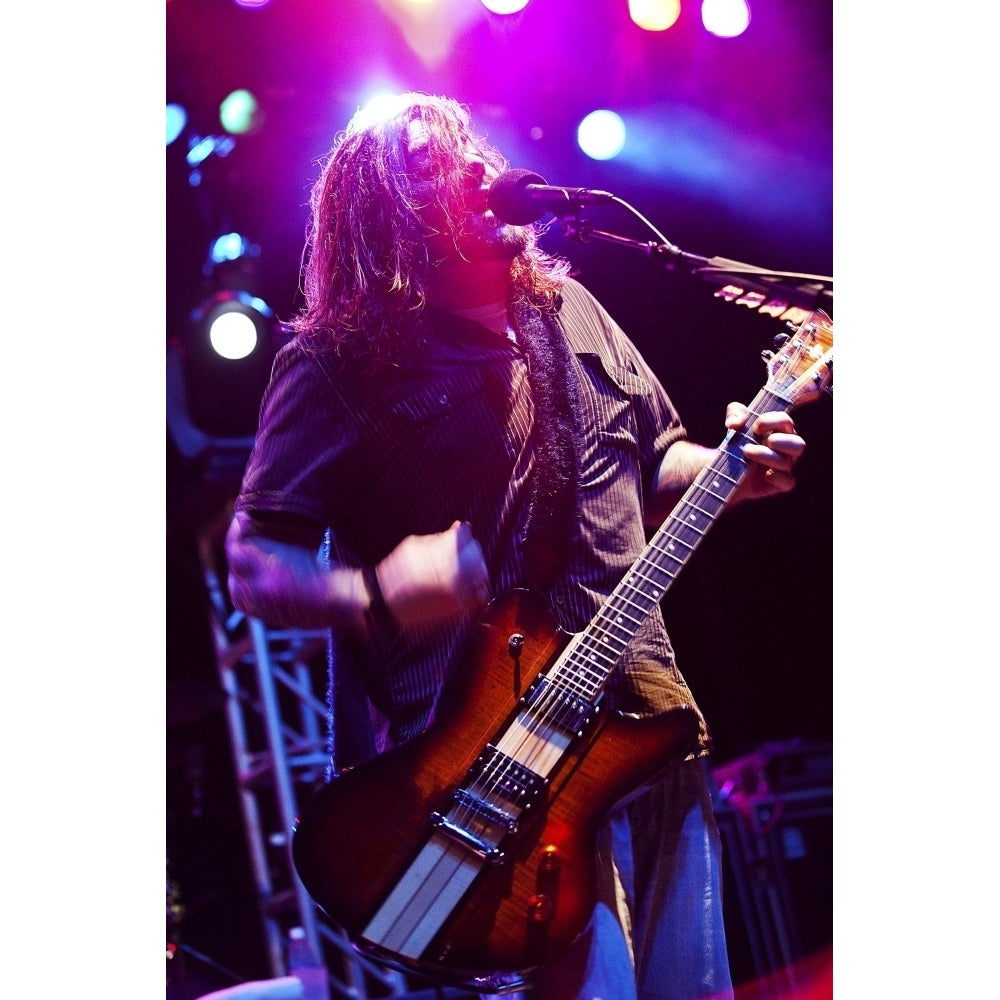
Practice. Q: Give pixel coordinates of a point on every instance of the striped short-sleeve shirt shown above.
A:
(368, 459)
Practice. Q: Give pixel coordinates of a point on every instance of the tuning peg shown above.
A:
(781, 339)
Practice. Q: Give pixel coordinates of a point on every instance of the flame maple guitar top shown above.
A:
(361, 832)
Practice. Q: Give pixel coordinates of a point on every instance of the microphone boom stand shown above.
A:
(807, 291)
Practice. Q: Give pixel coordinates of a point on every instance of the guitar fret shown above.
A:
(693, 509)
(718, 467)
(720, 497)
(576, 681)
(589, 663)
(665, 550)
(605, 645)
(660, 587)
(616, 641)
(644, 611)
(591, 651)
(620, 616)
(687, 534)
(599, 638)
(669, 552)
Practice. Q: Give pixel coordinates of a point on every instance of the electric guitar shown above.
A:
(468, 855)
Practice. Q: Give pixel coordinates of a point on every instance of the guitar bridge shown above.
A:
(485, 850)
(486, 808)
(504, 821)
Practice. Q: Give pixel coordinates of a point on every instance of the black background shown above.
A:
(751, 617)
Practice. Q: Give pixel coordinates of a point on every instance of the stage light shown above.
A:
(601, 135)
(239, 112)
(176, 120)
(379, 108)
(226, 354)
(202, 147)
(230, 247)
(725, 18)
(233, 335)
(505, 6)
(234, 322)
(654, 15)
(431, 27)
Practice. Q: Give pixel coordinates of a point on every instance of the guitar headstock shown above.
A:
(801, 367)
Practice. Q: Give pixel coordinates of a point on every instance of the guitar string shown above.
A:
(579, 661)
(623, 595)
(547, 719)
(544, 716)
(548, 713)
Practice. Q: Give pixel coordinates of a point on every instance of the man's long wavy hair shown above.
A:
(366, 261)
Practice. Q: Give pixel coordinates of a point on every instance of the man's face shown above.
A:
(457, 219)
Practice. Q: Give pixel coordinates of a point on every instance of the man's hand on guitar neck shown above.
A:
(771, 457)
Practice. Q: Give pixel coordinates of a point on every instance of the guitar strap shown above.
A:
(552, 491)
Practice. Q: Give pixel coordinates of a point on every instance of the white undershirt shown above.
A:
(493, 316)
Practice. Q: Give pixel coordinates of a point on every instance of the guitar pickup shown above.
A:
(558, 706)
(505, 779)
(486, 808)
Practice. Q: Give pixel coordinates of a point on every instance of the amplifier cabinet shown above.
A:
(777, 882)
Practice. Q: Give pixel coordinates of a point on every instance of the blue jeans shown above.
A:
(657, 932)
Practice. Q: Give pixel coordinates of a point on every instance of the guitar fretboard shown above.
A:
(588, 661)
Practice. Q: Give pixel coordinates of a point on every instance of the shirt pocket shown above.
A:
(603, 372)
(612, 396)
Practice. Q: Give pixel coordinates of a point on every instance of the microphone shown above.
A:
(520, 196)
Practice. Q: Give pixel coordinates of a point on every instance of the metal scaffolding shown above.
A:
(275, 688)
(275, 684)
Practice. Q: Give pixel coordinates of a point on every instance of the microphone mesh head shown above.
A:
(509, 201)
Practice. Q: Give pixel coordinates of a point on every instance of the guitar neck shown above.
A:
(589, 659)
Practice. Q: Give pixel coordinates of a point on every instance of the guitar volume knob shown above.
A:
(549, 859)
